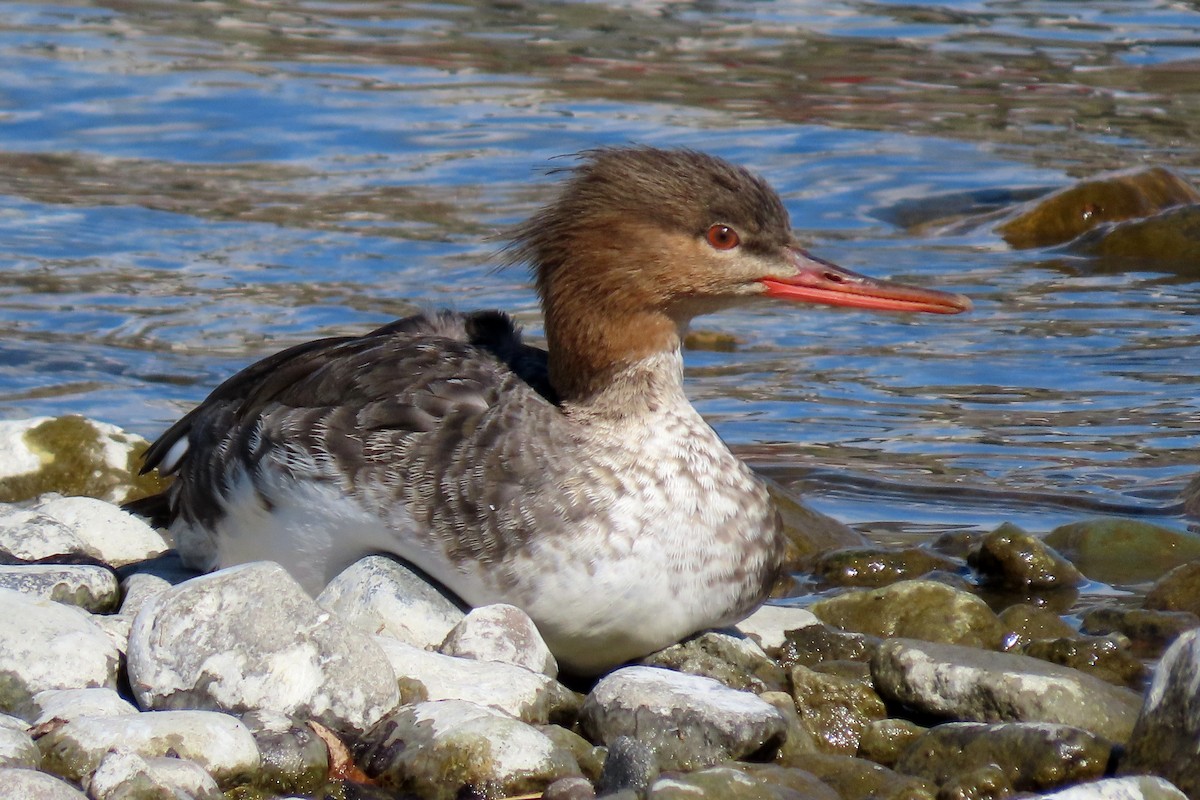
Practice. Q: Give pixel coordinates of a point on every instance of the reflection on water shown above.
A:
(186, 186)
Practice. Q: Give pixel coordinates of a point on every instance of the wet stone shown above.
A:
(292, 757)
(1009, 556)
(859, 779)
(723, 782)
(816, 644)
(734, 660)
(1166, 739)
(47, 645)
(1108, 658)
(1171, 236)
(451, 748)
(573, 787)
(873, 567)
(965, 683)
(117, 537)
(249, 638)
(529, 696)
(1151, 632)
(805, 785)
(501, 633)
(219, 743)
(808, 531)
(1134, 787)
(16, 745)
(69, 704)
(123, 775)
(689, 721)
(798, 738)
(1178, 590)
(769, 624)
(884, 740)
(382, 596)
(26, 783)
(915, 609)
(835, 709)
(1032, 622)
(629, 764)
(92, 588)
(588, 756)
(1123, 551)
(1033, 756)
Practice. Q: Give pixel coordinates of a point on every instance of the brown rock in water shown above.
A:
(1170, 236)
(1151, 632)
(1178, 590)
(1123, 551)
(1109, 658)
(878, 566)
(1011, 557)
(860, 779)
(1033, 622)
(818, 644)
(809, 532)
(1069, 212)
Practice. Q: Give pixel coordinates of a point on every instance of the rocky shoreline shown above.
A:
(951, 671)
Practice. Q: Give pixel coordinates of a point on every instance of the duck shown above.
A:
(576, 482)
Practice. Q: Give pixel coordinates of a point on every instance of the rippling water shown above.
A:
(186, 186)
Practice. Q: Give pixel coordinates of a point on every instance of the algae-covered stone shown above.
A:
(451, 748)
(249, 638)
(1106, 657)
(1067, 213)
(1123, 551)
(588, 756)
(532, 697)
(1178, 590)
(26, 784)
(217, 742)
(917, 610)
(859, 779)
(878, 566)
(47, 645)
(817, 644)
(16, 745)
(1034, 622)
(736, 661)
(380, 595)
(1151, 632)
(1171, 236)
(797, 737)
(966, 683)
(124, 775)
(71, 455)
(89, 587)
(1166, 740)
(884, 740)
(689, 721)
(1009, 556)
(1033, 756)
(835, 709)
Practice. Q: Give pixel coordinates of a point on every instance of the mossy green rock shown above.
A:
(1065, 214)
(858, 779)
(1108, 658)
(72, 455)
(918, 609)
(835, 709)
(1033, 622)
(1172, 236)
(1123, 551)
(1178, 590)
(1012, 557)
(878, 566)
(884, 740)
(1150, 631)
(817, 644)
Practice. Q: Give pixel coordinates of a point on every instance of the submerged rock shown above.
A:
(963, 683)
(689, 721)
(1065, 214)
(1178, 590)
(915, 609)
(1166, 739)
(1123, 551)
(1171, 236)
(249, 638)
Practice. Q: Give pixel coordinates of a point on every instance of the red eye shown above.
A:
(722, 237)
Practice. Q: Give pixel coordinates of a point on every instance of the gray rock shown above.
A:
(630, 764)
(728, 656)
(32, 535)
(381, 595)
(965, 683)
(125, 775)
(1166, 739)
(573, 787)
(1033, 756)
(293, 758)
(116, 627)
(26, 784)
(69, 704)
(115, 535)
(769, 623)
(689, 721)
(529, 696)
(16, 745)
(89, 587)
(219, 743)
(446, 749)
(47, 645)
(249, 638)
(1134, 787)
(504, 633)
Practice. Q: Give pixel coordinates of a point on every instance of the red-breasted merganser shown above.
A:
(577, 483)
